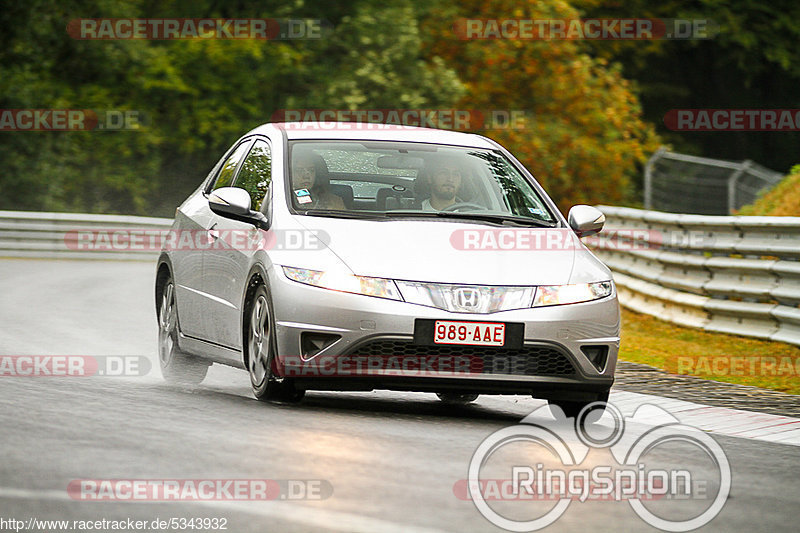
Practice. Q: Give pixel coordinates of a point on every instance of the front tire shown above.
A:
(176, 366)
(573, 408)
(261, 348)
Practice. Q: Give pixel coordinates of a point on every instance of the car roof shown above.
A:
(373, 132)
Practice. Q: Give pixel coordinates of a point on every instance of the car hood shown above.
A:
(435, 251)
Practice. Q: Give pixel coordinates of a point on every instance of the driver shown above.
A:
(445, 180)
(309, 172)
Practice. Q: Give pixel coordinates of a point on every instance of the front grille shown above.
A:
(526, 361)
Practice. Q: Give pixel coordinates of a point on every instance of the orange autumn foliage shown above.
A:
(583, 138)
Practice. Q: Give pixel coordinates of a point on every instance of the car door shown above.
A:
(196, 220)
(226, 265)
(191, 220)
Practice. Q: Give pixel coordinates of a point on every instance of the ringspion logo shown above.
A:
(553, 467)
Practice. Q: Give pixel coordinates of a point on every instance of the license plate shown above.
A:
(470, 333)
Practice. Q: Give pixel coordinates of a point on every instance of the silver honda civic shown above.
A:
(350, 256)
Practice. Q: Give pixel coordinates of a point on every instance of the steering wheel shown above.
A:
(459, 206)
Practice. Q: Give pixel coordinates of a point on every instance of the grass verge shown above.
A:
(716, 356)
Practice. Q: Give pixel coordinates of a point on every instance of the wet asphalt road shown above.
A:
(391, 459)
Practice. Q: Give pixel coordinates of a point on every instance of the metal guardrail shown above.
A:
(58, 235)
(730, 274)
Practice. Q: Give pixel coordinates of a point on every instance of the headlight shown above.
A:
(571, 294)
(344, 282)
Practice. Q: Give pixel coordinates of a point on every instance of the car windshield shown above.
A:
(366, 179)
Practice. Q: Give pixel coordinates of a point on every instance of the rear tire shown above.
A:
(261, 347)
(176, 366)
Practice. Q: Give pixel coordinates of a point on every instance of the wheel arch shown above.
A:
(255, 277)
(163, 271)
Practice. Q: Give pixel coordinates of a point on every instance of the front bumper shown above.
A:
(551, 363)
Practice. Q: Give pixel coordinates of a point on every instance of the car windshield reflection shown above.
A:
(368, 180)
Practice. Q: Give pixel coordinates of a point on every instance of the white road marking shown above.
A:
(717, 420)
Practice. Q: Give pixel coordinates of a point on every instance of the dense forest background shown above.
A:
(594, 109)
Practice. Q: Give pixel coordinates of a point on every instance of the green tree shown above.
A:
(375, 59)
(751, 63)
(196, 96)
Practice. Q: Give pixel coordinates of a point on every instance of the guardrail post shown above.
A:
(732, 181)
(648, 177)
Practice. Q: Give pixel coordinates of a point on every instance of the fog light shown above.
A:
(313, 343)
(597, 355)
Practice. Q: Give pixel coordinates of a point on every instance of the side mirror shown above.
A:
(234, 203)
(586, 220)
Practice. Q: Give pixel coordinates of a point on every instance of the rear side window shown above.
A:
(225, 176)
(256, 173)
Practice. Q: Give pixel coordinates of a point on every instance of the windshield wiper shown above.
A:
(483, 217)
(340, 214)
(500, 219)
(412, 213)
